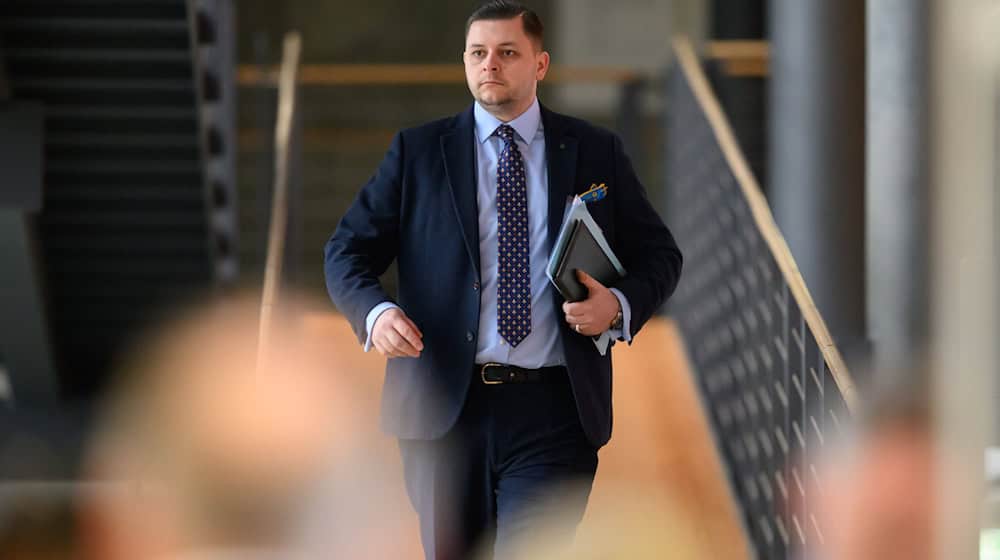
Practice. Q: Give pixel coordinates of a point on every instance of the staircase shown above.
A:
(138, 203)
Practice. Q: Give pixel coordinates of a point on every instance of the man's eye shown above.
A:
(477, 53)
(509, 52)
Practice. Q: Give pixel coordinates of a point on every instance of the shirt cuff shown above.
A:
(624, 333)
(606, 339)
(373, 316)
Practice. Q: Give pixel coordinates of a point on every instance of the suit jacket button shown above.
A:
(469, 336)
(475, 286)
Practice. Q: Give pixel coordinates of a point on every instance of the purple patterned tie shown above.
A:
(513, 286)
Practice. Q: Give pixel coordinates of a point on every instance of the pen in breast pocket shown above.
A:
(596, 192)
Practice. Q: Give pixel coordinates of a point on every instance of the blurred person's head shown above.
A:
(210, 449)
(504, 57)
(880, 501)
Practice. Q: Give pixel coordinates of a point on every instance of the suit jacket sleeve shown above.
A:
(366, 242)
(647, 249)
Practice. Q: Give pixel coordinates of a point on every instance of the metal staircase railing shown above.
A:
(775, 387)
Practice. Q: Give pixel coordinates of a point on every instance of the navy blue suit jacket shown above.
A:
(420, 209)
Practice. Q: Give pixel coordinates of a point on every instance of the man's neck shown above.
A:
(505, 114)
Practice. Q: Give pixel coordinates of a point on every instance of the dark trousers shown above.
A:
(516, 457)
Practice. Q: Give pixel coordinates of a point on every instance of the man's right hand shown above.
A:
(395, 336)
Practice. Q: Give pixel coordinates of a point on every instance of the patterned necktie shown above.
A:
(513, 286)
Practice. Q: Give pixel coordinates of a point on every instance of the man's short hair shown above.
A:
(509, 9)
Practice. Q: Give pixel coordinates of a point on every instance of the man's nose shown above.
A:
(491, 63)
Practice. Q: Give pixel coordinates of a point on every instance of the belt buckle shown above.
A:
(482, 373)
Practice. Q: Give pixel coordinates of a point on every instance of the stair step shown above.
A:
(112, 167)
(104, 94)
(77, 55)
(129, 205)
(68, 148)
(121, 141)
(22, 32)
(185, 180)
(104, 85)
(70, 193)
(103, 68)
(157, 220)
(111, 235)
(191, 246)
(90, 9)
(156, 121)
(83, 111)
(95, 26)
(135, 268)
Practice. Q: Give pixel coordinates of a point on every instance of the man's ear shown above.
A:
(543, 66)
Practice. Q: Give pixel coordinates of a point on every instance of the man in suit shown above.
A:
(496, 388)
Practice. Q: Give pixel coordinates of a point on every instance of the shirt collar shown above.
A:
(526, 125)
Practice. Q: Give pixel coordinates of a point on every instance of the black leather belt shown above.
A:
(498, 374)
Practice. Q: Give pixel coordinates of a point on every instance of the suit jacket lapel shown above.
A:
(560, 156)
(458, 151)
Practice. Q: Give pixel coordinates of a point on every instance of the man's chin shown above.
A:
(493, 101)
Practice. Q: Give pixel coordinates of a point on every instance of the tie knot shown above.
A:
(506, 132)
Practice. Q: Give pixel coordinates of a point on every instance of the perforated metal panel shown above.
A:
(772, 399)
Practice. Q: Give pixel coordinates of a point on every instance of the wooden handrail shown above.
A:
(764, 219)
(738, 57)
(292, 50)
(738, 49)
(420, 74)
(741, 58)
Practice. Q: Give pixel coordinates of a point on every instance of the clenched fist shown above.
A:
(395, 336)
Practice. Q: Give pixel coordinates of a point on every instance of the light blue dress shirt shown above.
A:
(541, 348)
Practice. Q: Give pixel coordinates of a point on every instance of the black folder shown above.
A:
(582, 252)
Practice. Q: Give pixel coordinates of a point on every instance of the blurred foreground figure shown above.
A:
(880, 503)
(211, 456)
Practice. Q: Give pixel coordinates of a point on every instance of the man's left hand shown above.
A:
(593, 315)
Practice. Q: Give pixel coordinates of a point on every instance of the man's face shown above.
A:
(503, 66)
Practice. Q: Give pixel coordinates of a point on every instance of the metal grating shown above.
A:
(770, 393)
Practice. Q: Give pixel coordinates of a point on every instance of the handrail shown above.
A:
(764, 219)
(738, 49)
(420, 74)
(287, 87)
(741, 58)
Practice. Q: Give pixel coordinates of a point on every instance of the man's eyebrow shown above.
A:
(504, 44)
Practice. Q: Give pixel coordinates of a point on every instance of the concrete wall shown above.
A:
(627, 33)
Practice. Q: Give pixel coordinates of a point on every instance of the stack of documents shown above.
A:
(581, 245)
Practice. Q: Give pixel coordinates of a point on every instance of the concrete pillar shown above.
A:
(897, 182)
(965, 58)
(28, 368)
(816, 160)
(25, 344)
